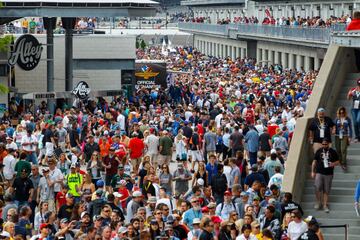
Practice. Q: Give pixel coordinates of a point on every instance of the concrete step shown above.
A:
(332, 198)
(335, 221)
(332, 214)
(350, 169)
(308, 207)
(339, 175)
(353, 230)
(340, 236)
(348, 191)
(335, 184)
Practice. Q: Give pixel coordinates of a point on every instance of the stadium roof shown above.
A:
(77, 8)
(211, 2)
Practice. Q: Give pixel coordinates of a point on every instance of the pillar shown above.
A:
(307, 63)
(258, 55)
(263, 57)
(298, 62)
(276, 60)
(68, 25)
(243, 52)
(233, 53)
(316, 63)
(49, 25)
(271, 57)
(284, 61)
(291, 60)
(239, 53)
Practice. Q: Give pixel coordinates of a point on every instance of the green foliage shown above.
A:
(142, 44)
(137, 44)
(5, 43)
(4, 89)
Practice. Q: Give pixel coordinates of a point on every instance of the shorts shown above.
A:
(135, 162)
(196, 156)
(164, 159)
(108, 179)
(323, 183)
(49, 146)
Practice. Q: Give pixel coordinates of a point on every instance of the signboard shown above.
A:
(81, 90)
(27, 52)
(150, 74)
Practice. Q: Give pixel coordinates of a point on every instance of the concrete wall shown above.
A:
(278, 9)
(338, 62)
(220, 47)
(94, 47)
(267, 52)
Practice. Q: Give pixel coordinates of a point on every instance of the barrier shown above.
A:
(346, 226)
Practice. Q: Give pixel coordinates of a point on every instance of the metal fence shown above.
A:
(257, 30)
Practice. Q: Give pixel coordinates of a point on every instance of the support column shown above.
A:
(271, 58)
(291, 60)
(68, 25)
(49, 25)
(276, 60)
(239, 53)
(243, 52)
(233, 52)
(307, 63)
(264, 57)
(284, 60)
(316, 63)
(298, 62)
(258, 55)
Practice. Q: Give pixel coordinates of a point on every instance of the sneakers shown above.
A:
(326, 209)
(317, 206)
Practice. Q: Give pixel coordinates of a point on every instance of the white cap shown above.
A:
(106, 132)
(137, 194)
(272, 151)
(200, 182)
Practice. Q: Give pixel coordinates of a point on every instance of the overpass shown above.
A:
(293, 47)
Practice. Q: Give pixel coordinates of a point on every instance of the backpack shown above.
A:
(222, 205)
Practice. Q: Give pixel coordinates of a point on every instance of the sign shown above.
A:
(150, 74)
(81, 90)
(44, 95)
(27, 52)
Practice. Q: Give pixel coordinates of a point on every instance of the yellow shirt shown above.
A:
(25, 23)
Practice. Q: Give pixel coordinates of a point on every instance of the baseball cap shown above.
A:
(272, 201)
(43, 225)
(268, 193)
(73, 165)
(272, 151)
(244, 194)
(121, 166)
(211, 205)
(100, 183)
(83, 214)
(69, 195)
(200, 182)
(122, 230)
(64, 220)
(227, 193)
(137, 194)
(196, 221)
(97, 217)
(106, 132)
(321, 110)
(256, 198)
(152, 199)
(216, 219)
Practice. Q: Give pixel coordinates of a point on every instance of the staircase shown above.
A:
(341, 201)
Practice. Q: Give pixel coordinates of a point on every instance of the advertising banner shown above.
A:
(150, 74)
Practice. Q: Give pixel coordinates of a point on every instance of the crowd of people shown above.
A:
(283, 21)
(203, 159)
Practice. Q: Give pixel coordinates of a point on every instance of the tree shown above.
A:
(142, 44)
(4, 47)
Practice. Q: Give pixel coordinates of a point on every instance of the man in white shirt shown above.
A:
(10, 143)
(121, 120)
(56, 178)
(152, 144)
(29, 143)
(9, 165)
(225, 208)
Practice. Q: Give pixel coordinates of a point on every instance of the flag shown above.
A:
(267, 12)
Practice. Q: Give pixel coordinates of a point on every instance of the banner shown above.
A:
(150, 74)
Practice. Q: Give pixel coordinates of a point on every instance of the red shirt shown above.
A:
(272, 129)
(354, 25)
(60, 199)
(136, 146)
(125, 194)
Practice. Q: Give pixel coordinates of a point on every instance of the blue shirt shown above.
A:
(252, 140)
(189, 216)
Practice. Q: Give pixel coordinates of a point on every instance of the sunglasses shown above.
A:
(166, 209)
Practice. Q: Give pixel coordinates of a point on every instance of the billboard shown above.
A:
(150, 73)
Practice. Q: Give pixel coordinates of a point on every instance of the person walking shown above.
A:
(354, 95)
(326, 158)
(320, 128)
(343, 135)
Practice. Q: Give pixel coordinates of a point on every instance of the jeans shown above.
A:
(341, 148)
(31, 157)
(253, 158)
(219, 198)
(355, 113)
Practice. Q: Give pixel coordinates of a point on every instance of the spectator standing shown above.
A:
(355, 22)
(165, 149)
(322, 167)
(343, 135)
(252, 141)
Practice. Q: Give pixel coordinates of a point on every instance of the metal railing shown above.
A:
(312, 34)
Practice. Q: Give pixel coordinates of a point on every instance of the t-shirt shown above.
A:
(309, 235)
(74, 180)
(323, 158)
(46, 192)
(194, 141)
(166, 144)
(264, 142)
(136, 146)
(236, 138)
(296, 229)
(22, 164)
(65, 211)
(22, 188)
(316, 127)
